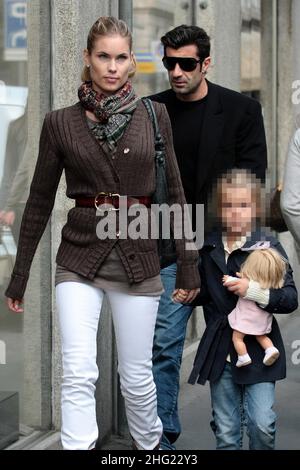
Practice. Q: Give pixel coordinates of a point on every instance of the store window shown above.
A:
(13, 190)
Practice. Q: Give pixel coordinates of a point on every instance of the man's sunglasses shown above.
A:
(188, 64)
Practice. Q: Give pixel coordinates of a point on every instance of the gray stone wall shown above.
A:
(269, 83)
(285, 78)
(296, 59)
(222, 21)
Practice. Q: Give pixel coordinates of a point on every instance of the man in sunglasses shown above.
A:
(214, 129)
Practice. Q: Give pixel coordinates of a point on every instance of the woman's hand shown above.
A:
(185, 296)
(238, 287)
(14, 305)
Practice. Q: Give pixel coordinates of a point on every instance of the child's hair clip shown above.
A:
(261, 245)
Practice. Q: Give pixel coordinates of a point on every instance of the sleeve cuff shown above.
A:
(257, 294)
(17, 286)
(187, 276)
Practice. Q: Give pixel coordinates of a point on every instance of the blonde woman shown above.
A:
(105, 144)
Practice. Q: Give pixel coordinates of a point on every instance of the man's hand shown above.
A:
(185, 296)
(239, 286)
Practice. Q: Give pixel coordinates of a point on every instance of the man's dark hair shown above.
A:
(184, 35)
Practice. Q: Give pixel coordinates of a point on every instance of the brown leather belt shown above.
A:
(112, 199)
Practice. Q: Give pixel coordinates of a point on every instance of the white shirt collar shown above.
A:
(236, 245)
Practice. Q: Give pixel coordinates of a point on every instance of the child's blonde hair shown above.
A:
(265, 266)
(236, 178)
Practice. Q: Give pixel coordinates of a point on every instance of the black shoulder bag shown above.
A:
(166, 247)
(276, 220)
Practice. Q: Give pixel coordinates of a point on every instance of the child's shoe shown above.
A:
(271, 355)
(243, 360)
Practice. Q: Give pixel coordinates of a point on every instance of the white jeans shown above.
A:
(134, 317)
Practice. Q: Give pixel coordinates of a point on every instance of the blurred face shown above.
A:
(187, 83)
(238, 210)
(110, 62)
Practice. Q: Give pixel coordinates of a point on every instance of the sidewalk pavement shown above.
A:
(195, 409)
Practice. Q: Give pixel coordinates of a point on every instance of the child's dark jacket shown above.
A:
(218, 302)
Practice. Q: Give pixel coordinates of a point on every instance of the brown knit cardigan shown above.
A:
(66, 143)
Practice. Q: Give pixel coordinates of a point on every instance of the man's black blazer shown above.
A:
(232, 135)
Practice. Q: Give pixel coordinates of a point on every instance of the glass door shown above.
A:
(13, 189)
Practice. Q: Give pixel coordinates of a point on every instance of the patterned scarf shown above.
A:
(114, 112)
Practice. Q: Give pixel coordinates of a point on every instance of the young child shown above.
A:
(240, 394)
(264, 268)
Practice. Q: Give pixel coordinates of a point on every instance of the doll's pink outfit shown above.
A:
(248, 318)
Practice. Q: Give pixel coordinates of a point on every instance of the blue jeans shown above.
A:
(168, 345)
(234, 406)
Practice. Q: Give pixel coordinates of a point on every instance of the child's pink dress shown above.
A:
(247, 317)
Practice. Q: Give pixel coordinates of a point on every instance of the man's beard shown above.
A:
(188, 90)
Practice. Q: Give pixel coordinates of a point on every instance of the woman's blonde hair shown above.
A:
(266, 266)
(107, 26)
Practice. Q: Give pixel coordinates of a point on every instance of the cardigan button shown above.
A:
(118, 233)
(127, 150)
(132, 256)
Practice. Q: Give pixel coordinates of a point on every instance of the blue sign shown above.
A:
(15, 29)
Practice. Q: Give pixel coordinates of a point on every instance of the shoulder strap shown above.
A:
(158, 140)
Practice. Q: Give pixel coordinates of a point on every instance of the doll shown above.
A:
(265, 269)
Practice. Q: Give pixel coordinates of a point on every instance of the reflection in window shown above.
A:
(13, 194)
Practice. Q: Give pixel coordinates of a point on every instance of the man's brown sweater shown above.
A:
(67, 143)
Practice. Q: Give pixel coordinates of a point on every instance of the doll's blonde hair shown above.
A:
(266, 266)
